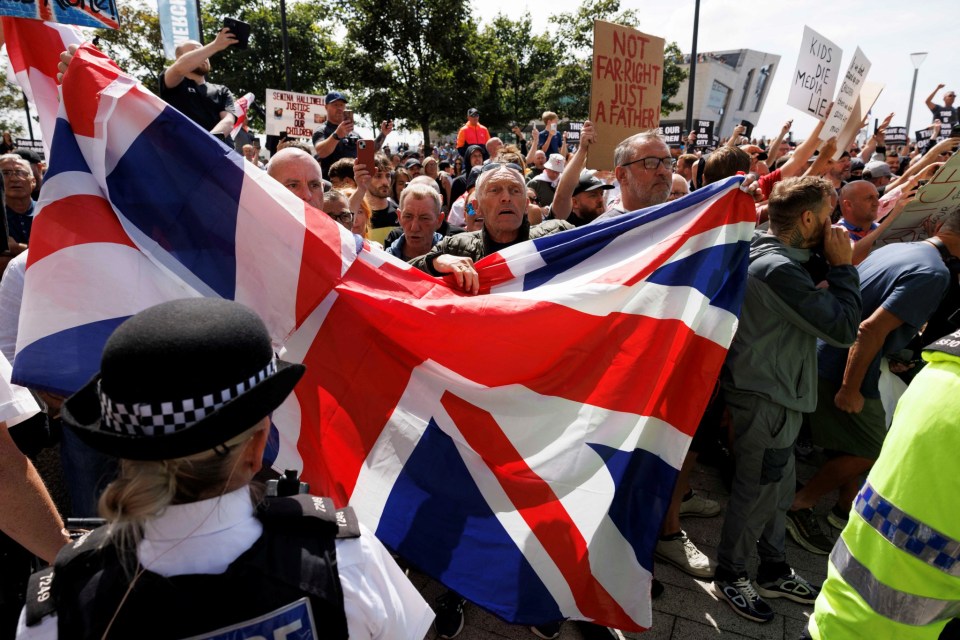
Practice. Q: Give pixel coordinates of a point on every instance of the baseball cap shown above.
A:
(333, 96)
(589, 182)
(473, 113)
(412, 162)
(877, 169)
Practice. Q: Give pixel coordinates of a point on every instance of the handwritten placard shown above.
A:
(847, 96)
(935, 200)
(297, 114)
(625, 89)
(865, 101)
(811, 87)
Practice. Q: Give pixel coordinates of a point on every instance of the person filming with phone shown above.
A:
(185, 86)
(336, 139)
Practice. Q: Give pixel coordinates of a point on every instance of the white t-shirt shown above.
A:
(16, 403)
(379, 601)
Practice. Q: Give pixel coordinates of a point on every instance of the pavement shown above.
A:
(688, 609)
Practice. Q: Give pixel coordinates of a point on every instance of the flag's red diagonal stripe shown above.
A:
(322, 262)
(74, 220)
(89, 73)
(31, 43)
(540, 508)
(741, 209)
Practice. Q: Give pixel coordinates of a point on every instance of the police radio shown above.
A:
(287, 485)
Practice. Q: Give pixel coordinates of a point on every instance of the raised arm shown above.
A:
(930, 103)
(563, 197)
(193, 59)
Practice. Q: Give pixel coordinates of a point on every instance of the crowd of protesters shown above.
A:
(832, 324)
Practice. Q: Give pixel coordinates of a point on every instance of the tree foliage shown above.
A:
(517, 63)
(410, 60)
(137, 46)
(11, 102)
(569, 87)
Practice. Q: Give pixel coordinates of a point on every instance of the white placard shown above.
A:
(811, 87)
(296, 113)
(847, 96)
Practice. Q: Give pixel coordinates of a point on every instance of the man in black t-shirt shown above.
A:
(185, 88)
(945, 113)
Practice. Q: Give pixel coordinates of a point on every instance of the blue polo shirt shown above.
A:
(856, 233)
(20, 224)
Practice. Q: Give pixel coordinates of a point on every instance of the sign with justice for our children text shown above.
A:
(811, 87)
(626, 87)
(297, 114)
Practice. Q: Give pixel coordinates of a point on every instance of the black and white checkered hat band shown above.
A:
(164, 418)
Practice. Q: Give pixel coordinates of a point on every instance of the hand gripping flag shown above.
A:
(520, 445)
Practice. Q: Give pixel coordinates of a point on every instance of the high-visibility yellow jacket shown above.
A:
(895, 571)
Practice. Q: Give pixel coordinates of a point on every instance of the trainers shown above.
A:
(744, 599)
(696, 506)
(790, 586)
(449, 615)
(547, 631)
(838, 517)
(804, 528)
(684, 555)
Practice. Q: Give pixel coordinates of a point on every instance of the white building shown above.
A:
(730, 86)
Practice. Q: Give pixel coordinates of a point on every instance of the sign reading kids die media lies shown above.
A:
(297, 114)
(625, 89)
(812, 84)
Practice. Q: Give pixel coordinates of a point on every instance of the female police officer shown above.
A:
(183, 399)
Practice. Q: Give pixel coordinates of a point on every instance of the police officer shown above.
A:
(184, 398)
(895, 570)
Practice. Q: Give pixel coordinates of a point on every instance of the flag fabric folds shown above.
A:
(521, 445)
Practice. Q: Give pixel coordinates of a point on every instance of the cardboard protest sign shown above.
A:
(811, 87)
(625, 89)
(671, 131)
(896, 136)
(101, 14)
(297, 114)
(934, 201)
(843, 105)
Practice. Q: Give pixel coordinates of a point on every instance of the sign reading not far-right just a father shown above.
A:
(626, 87)
(812, 84)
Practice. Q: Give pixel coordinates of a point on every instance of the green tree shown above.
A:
(517, 63)
(136, 46)
(413, 61)
(11, 106)
(313, 49)
(569, 87)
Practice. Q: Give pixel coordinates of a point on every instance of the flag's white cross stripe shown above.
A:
(576, 474)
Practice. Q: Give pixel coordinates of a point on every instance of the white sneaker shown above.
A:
(684, 555)
(699, 507)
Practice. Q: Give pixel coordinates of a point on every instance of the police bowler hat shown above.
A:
(180, 378)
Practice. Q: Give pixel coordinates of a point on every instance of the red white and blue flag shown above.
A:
(521, 445)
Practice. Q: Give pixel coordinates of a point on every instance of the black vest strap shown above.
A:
(295, 557)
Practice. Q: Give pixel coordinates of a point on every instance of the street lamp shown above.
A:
(917, 59)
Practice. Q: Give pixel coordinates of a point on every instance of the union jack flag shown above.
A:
(521, 445)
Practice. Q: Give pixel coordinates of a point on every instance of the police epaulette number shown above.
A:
(305, 505)
(947, 344)
(39, 602)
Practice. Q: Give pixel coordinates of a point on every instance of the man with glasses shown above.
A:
(644, 169)
(18, 184)
(946, 113)
(336, 205)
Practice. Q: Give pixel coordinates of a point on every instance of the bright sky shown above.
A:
(886, 31)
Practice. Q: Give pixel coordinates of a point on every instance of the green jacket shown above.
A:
(774, 352)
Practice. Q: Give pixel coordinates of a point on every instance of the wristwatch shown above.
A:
(335, 136)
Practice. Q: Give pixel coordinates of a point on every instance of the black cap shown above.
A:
(589, 182)
(473, 113)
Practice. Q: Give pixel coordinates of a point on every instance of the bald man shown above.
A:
(300, 173)
(185, 87)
